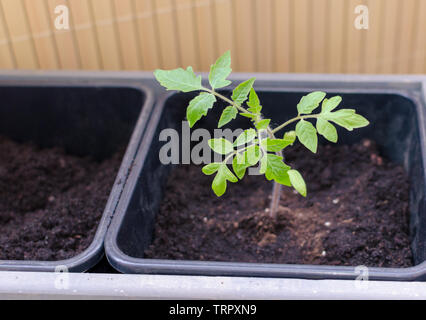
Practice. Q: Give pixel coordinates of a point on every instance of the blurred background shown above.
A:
(264, 35)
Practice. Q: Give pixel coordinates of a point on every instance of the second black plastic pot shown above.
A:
(397, 125)
(85, 117)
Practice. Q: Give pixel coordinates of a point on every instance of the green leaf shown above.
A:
(245, 137)
(274, 145)
(297, 182)
(249, 157)
(241, 92)
(347, 118)
(220, 71)
(307, 135)
(329, 105)
(221, 146)
(275, 169)
(228, 114)
(246, 159)
(223, 175)
(290, 137)
(254, 103)
(263, 124)
(179, 79)
(239, 165)
(199, 106)
(263, 164)
(310, 102)
(327, 130)
(252, 155)
(249, 115)
(211, 168)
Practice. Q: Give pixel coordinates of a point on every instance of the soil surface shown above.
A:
(50, 202)
(356, 213)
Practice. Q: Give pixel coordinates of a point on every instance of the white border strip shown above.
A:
(30, 285)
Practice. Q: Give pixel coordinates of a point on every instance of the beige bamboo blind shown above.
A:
(264, 35)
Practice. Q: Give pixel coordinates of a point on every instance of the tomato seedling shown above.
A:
(259, 145)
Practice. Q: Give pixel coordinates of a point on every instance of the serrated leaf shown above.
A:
(246, 137)
(239, 166)
(263, 165)
(221, 146)
(263, 124)
(228, 114)
(310, 102)
(347, 118)
(220, 181)
(254, 102)
(252, 155)
(274, 145)
(307, 135)
(297, 182)
(246, 159)
(199, 106)
(275, 169)
(241, 92)
(329, 105)
(327, 130)
(211, 168)
(179, 79)
(249, 157)
(220, 71)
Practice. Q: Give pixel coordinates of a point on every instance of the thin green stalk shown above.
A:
(285, 124)
(229, 157)
(232, 103)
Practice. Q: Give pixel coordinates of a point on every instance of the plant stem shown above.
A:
(230, 156)
(232, 103)
(285, 124)
(277, 188)
(276, 193)
(275, 201)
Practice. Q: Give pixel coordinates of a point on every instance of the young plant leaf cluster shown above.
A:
(257, 146)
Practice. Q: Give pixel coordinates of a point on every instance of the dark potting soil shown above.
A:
(356, 213)
(50, 202)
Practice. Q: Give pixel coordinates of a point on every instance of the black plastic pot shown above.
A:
(86, 117)
(397, 121)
